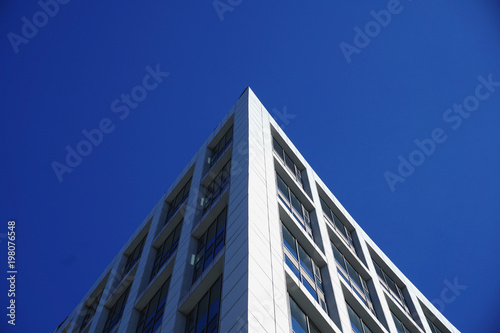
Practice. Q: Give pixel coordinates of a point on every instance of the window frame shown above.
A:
(180, 197)
(212, 322)
(313, 280)
(220, 147)
(217, 186)
(115, 316)
(148, 317)
(362, 291)
(286, 160)
(163, 254)
(337, 224)
(303, 217)
(208, 248)
(134, 257)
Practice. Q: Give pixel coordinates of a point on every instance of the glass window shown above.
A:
(210, 244)
(353, 278)
(339, 257)
(91, 309)
(178, 200)
(306, 262)
(151, 316)
(401, 328)
(220, 146)
(289, 163)
(116, 312)
(289, 241)
(303, 267)
(217, 186)
(296, 204)
(134, 257)
(433, 327)
(300, 321)
(206, 312)
(292, 266)
(278, 148)
(337, 224)
(357, 323)
(283, 187)
(395, 291)
(166, 250)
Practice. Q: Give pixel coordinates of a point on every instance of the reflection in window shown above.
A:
(357, 324)
(335, 222)
(134, 257)
(352, 277)
(217, 186)
(221, 146)
(116, 312)
(166, 250)
(204, 318)
(285, 158)
(303, 267)
(433, 327)
(210, 244)
(91, 309)
(300, 322)
(151, 316)
(399, 325)
(391, 286)
(299, 212)
(178, 200)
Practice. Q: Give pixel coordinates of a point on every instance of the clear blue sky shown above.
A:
(352, 121)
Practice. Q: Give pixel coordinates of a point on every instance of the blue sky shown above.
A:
(354, 117)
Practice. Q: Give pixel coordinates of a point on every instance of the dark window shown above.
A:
(151, 316)
(91, 309)
(166, 250)
(335, 222)
(178, 200)
(391, 286)
(116, 312)
(433, 327)
(300, 321)
(210, 244)
(299, 212)
(204, 318)
(401, 328)
(221, 147)
(217, 186)
(357, 324)
(134, 256)
(353, 278)
(303, 267)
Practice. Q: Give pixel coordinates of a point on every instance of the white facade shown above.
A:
(257, 285)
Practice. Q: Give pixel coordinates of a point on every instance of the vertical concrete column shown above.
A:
(233, 313)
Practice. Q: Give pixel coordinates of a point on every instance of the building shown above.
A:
(249, 239)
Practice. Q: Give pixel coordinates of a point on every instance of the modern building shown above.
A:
(249, 239)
